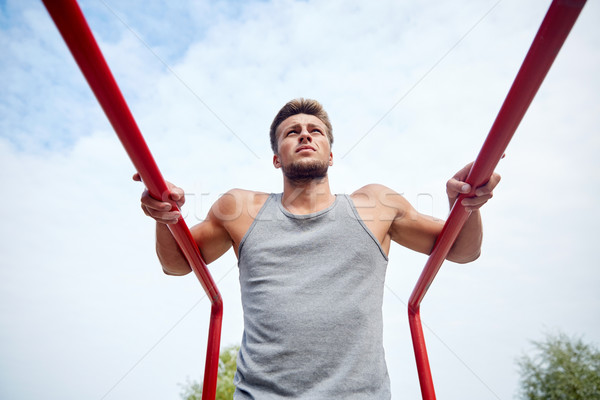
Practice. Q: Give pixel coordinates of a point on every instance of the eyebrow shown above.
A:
(310, 126)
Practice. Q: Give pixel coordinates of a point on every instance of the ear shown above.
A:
(276, 161)
(330, 159)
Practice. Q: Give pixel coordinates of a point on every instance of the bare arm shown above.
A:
(210, 236)
(467, 246)
(169, 254)
(419, 232)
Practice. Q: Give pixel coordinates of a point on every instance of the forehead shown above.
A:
(300, 119)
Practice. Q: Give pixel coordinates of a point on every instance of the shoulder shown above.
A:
(242, 196)
(236, 202)
(377, 195)
(381, 201)
(371, 189)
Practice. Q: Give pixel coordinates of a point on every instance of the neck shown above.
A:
(306, 197)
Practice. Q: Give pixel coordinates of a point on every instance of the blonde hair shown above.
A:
(300, 106)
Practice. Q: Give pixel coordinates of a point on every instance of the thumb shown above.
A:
(177, 195)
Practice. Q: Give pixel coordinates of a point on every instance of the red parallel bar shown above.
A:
(554, 30)
(75, 31)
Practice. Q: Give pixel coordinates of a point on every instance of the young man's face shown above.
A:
(304, 151)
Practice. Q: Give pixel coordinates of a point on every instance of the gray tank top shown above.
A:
(312, 293)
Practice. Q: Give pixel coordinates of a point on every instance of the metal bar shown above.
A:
(555, 27)
(77, 35)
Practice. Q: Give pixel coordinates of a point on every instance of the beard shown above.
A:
(302, 172)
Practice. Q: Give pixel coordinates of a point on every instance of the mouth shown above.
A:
(302, 148)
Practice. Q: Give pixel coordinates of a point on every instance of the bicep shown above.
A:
(408, 227)
(414, 230)
(212, 238)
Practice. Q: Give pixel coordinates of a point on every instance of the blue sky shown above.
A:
(412, 90)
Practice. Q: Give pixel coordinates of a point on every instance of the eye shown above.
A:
(292, 132)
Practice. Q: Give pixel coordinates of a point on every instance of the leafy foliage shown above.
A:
(192, 390)
(562, 368)
(227, 368)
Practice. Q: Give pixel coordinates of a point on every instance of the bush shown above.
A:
(562, 368)
(192, 390)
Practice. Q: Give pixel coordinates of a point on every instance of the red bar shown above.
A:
(554, 30)
(75, 31)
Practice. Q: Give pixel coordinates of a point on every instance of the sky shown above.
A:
(412, 89)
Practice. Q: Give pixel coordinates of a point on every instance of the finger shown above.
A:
(174, 193)
(464, 172)
(457, 185)
(136, 177)
(177, 195)
(489, 186)
(152, 204)
(476, 202)
(166, 221)
(145, 210)
(454, 187)
(171, 217)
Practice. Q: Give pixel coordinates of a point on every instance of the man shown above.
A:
(312, 264)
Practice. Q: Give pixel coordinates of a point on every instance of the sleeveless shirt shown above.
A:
(312, 294)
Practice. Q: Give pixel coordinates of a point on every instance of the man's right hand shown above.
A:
(161, 210)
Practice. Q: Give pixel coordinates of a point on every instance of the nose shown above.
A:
(305, 135)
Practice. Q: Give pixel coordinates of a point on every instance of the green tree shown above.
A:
(227, 368)
(192, 390)
(562, 368)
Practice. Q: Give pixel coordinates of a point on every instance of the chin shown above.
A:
(306, 171)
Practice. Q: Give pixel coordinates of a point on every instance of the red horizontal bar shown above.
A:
(76, 33)
(553, 32)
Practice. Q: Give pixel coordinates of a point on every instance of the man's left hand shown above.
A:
(457, 185)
